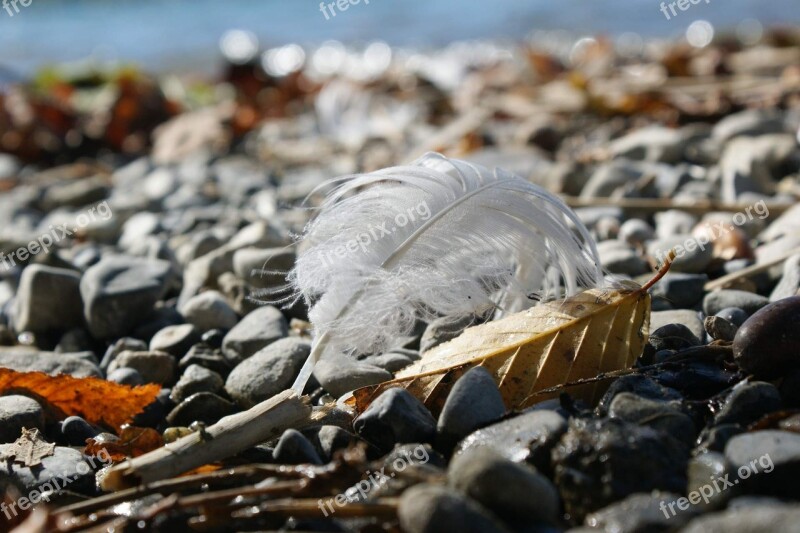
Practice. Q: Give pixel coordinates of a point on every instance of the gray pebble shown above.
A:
(209, 310)
(154, 367)
(734, 315)
(175, 340)
(48, 299)
(339, 374)
(770, 459)
(65, 463)
(126, 376)
(658, 415)
(432, 509)
(716, 301)
(720, 329)
(204, 407)
(473, 402)
(258, 329)
(293, 448)
(196, 379)
(512, 491)
(638, 513)
(268, 372)
(683, 291)
(18, 412)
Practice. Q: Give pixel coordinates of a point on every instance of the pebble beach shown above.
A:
(147, 222)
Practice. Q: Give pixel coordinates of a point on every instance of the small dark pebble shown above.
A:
(395, 417)
(294, 448)
(748, 402)
(767, 343)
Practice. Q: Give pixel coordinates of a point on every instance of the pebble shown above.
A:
(638, 513)
(209, 310)
(673, 337)
(294, 448)
(748, 402)
(515, 492)
(674, 222)
(444, 329)
(154, 367)
(598, 462)
(205, 407)
(203, 355)
(27, 360)
(690, 257)
(720, 329)
(473, 402)
(196, 379)
(653, 143)
(333, 438)
(639, 385)
(608, 177)
(395, 417)
(121, 345)
(118, 292)
(635, 232)
(527, 437)
(661, 416)
(714, 438)
(48, 299)
(789, 285)
(619, 258)
(769, 460)
(428, 508)
(734, 315)
(49, 475)
(681, 290)
(339, 374)
(255, 331)
(747, 520)
(702, 470)
(76, 431)
(18, 412)
(175, 340)
(391, 362)
(766, 344)
(256, 266)
(268, 372)
(749, 302)
(125, 376)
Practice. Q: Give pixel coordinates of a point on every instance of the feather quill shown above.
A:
(438, 237)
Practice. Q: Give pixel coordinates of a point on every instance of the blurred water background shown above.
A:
(185, 35)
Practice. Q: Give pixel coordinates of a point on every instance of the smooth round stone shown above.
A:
(748, 402)
(474, 401)
(749, 302)
(768, 343)
(175, 340)
(734, 315)
(681, 290)
(638, 513)
(76, 430)
(658, 415)
(395, 417)
(635, 232)
(428, 508)
(126, 376)
(18, 412)
(766, 462)
(294, 448)
(510, 490)
(673, 337)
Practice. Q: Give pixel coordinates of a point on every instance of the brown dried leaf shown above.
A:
(97, 400)
(132, 442)
(592, 333)
(30, 448)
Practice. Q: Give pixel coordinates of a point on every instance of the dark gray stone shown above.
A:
(76, 430)
(175, 340)
(683, 291)
(48, 299)
(204, 407)
(734, 315)
(293, 448)
(716, 301)
(49, 476)
(119, 292)
(749, 402)
(686, 317)
(515, 492)
(29, 360)
(154, 367)
(395, 417)
(126, 376)
(473, 402)
(720, 329)
(432, 509)
(209, 310)
(673, 337)
(766, 344)
(196, 379)
(769, 459)
(658, 415)
(639, 513)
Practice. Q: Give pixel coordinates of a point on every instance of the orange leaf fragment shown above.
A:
(132, 442)
(98, 401)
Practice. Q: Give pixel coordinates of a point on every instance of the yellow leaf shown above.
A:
(558, 342)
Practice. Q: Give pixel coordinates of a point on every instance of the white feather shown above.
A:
(439, 237)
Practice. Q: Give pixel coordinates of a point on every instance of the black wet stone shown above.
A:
(768, 343)
(673, 337)
(395, 417)
(748, 402)
(204, 407)
(473, 402)
(640, 385)
(598, 462)
(432, 509)
(294, 448)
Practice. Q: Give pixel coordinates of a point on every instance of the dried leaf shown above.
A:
(132, 442)
(97, 400)
(30, 448)
(594, 332)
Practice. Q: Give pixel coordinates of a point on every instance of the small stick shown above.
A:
(231, 435)
(752, 270)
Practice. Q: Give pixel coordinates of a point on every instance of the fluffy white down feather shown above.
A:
(474, 240)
